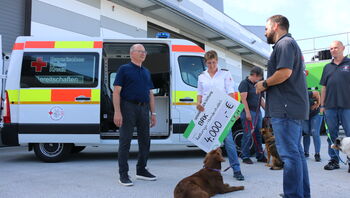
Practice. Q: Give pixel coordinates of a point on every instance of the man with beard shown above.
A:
(287, 104)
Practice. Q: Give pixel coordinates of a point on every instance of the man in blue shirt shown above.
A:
(133, 100)
(287, 104)
(335, 96)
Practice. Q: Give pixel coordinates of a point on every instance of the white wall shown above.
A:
(110, 13)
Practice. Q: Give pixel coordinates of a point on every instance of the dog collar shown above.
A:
(213, 169)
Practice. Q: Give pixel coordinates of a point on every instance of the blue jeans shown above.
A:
(247, 135)
(335, 117)
(312, 127)
(288, 142)
(231, 151)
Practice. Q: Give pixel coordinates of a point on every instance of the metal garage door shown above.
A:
(13, 21)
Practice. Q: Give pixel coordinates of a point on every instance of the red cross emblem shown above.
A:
(38, 64)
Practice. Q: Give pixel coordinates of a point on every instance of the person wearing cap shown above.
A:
(251, 117)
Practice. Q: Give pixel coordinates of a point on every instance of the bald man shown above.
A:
(133, 102)
(335, 98)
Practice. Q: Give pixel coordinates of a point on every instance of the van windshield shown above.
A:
(190, 68)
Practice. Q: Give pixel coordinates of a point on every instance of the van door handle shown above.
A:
(82, 98)
(186, 99)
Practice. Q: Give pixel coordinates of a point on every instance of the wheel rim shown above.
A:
(51, 149)
(238, 138)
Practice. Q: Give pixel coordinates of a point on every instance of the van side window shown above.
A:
(190, 68)
(59, 69)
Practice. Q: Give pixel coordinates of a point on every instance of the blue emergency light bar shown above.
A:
(163, 35)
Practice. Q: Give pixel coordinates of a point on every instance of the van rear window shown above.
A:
(55, 69)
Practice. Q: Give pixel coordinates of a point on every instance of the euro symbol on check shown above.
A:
(228, 105)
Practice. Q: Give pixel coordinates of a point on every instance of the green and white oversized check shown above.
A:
(209, 128)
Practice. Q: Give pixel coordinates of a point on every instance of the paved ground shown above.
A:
(93, 173)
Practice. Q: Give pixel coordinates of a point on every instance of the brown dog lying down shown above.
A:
(271, 149)
(206, 182)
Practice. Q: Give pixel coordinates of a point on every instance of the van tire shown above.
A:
(237, 138)
(77, 149)
(52, 152)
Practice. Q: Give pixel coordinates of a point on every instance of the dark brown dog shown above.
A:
(271, 149)
(206, 182)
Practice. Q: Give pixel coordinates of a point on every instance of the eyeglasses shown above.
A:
(140, 51)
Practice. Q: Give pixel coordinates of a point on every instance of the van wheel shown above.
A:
(77, 149)
(237, 137)
(52, 152)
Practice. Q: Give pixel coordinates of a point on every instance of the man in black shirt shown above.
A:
(287, 104)
(251, 116)
(335, 98)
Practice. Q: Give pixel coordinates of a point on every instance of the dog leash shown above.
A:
(253, 134)
(330, 139)
(253, 126)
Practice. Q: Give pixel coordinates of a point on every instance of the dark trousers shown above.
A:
(133, 116)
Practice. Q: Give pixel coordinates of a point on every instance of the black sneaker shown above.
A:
(332, 165)
(145, 175)
(263, 159)
(317, 157)
(238, 175)
(306, 154)
(247, 161)
(125, 180)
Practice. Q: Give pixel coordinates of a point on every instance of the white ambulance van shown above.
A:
(58, 93)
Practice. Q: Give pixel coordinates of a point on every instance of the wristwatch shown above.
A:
(153, 113)
(265, 84)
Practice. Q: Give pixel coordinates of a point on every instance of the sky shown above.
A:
(307, 18)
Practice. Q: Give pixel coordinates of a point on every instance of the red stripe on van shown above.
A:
(18, 46)
(98, 44)
(68, 94)
(186, 48)
(40, 44)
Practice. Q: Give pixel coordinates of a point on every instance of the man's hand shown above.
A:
(314, 106)
(118, 119)
(322, 110)
(200, 107)
(153, 121)
(248, 116)
(259, 87)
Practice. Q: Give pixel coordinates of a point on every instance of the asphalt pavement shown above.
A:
(93, 173)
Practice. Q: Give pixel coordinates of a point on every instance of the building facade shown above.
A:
(201, 21)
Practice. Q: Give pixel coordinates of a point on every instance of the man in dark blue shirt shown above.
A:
(251, 117)
(287, 104)
(335, 95)
(133, 100)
